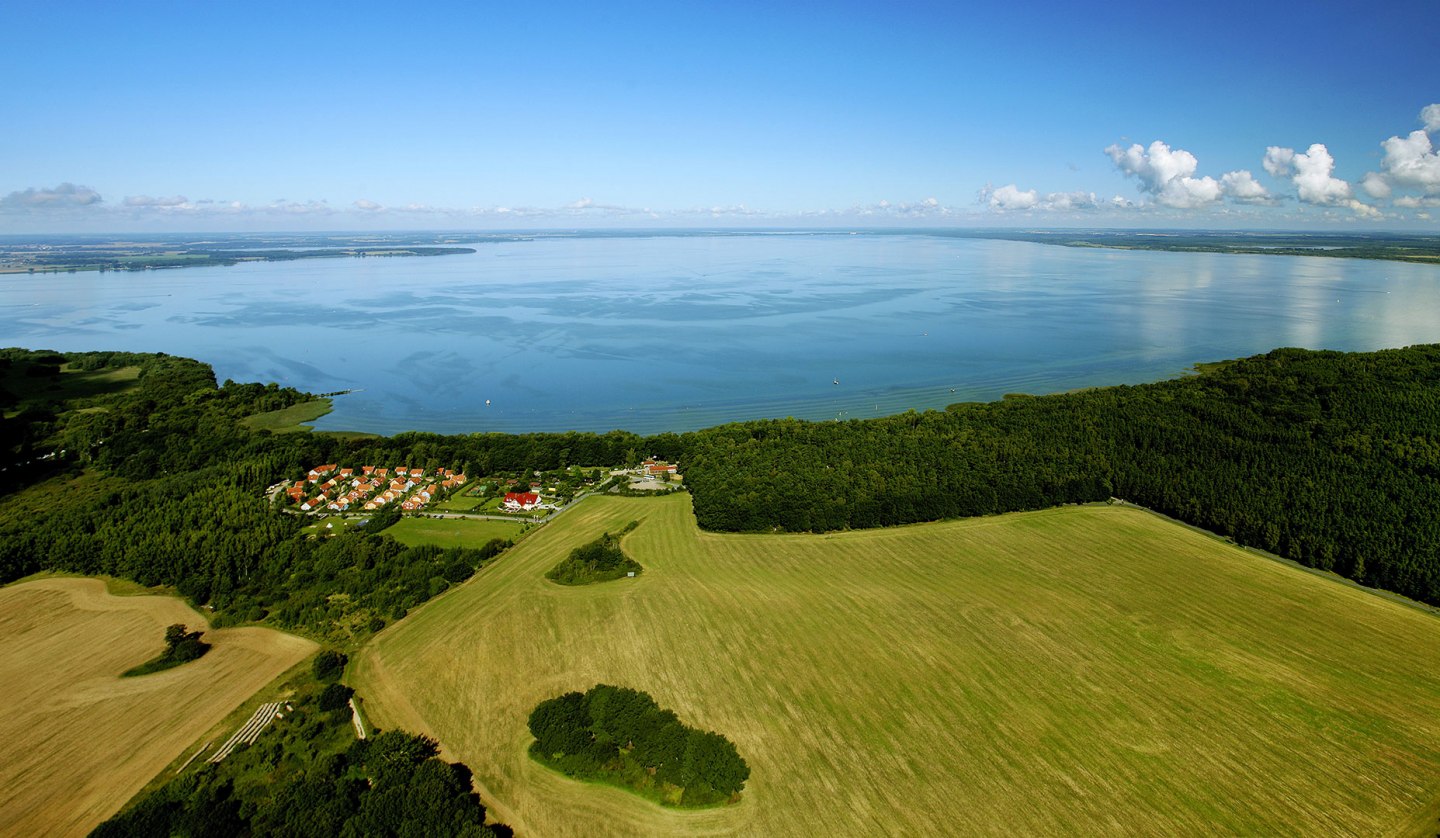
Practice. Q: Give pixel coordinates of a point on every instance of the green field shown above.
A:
(451, 532)
(338, 524)
(461, 502)
(70, 385)
(288, 420)
(1091, 670)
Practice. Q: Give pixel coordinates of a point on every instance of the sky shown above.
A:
(183, 116)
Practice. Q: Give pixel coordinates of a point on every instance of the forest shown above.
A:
(620, 736)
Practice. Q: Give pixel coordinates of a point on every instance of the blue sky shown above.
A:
(265, 116)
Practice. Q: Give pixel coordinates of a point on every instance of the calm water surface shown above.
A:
(670, 333)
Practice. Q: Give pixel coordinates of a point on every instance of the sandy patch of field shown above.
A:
(76, 740)
(1075, 671)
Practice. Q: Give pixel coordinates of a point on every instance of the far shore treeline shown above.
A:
(1331, 459)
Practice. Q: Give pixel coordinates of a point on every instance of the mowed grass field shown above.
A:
(1082, 670)
(451, 532)
(289, 420)
(76, 740)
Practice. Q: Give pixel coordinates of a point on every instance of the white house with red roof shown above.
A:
(520, 501)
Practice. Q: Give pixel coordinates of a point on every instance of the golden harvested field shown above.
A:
(1083, 670)
(76, 740)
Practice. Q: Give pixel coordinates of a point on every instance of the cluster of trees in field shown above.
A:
(307, 775)
(181, 646)
(1328, 458)
(622, 737)
(599, 561)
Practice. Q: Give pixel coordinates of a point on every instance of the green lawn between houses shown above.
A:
(451, 532)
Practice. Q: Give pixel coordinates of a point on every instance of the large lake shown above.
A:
(671, 333)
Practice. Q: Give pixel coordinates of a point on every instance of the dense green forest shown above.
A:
(620, 736)
(601, 560)
(1328, 458)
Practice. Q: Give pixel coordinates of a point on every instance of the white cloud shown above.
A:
(147, 201)
(64, 196)
(1242, 186)
(1411, 162)
(1279, 161)
(1314, 178)
(1011, 198)
(1430, 116)
(284, 207)
(1167, 174)
(1375, 185)
(1067, 201)
(1412, 202)
(366, 205)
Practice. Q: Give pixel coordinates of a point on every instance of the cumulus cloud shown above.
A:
(1313, 174)
(64, 196)
(1242, 186)
(1166, 174)
(1375, 185)
(1315, 180)
(1011, 198)
(1412, 162)
(1278, 161)
(1430, 115)
(366, 205)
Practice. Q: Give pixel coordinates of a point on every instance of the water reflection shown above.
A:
(668, 333)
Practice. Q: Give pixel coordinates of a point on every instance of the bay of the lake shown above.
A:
(655, 333)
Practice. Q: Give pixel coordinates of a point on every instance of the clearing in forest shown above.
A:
(451, 532)
(1091, 670)
(76, 740)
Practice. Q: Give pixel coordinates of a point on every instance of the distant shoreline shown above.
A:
(68, 254)
(123, 257)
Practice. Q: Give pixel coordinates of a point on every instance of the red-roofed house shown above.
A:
(521, 501)
(320, 471)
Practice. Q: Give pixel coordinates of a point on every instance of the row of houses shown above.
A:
(344, 489)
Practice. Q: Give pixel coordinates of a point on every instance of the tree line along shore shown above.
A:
(1327, 458)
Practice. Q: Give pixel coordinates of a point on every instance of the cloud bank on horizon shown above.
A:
(1168, 181)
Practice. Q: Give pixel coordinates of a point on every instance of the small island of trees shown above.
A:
(599, 561)
(621, 737)
(181, 646)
